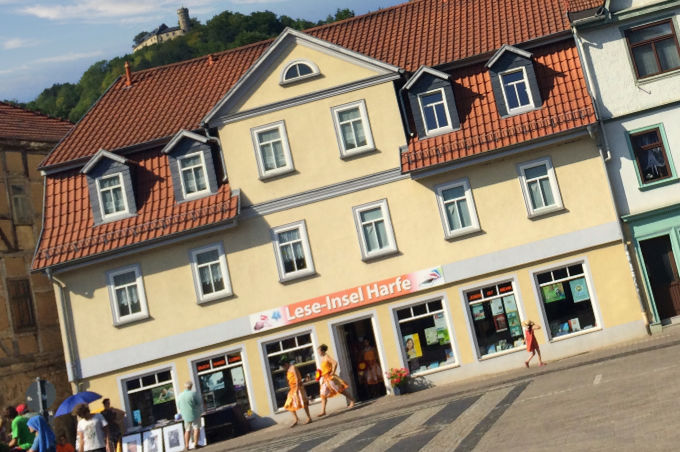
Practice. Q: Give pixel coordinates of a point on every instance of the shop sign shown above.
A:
(347, 299)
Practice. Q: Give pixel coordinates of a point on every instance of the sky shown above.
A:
(43, 42)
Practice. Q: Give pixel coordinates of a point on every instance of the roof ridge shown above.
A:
(35, 112)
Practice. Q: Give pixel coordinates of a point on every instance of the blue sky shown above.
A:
(43, 42)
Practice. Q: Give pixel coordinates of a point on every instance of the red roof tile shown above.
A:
(19, 124)
(582, 5)
(566, 105)
(69, 232)
(163, 100)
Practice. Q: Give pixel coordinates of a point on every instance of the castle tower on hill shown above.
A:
(164, 33)
(183, 16)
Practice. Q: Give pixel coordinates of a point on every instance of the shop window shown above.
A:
(495, 318)
(272, 150)
(21, 205)
(352, 128)
(193, 174)
(539, 185)
(567, 300)
(374, 227)
(650, 156)
(425, 336)
(222, 382)
(293, 255)
(296, 348)
(654, 48)
(126, 292)
(21, 304)
(211, 277)
(457, 208)
(151, 398)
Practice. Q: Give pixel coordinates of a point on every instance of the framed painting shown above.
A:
(152, 440)
(132, 443)
(173, 437)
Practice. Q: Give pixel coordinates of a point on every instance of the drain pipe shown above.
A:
(67, 322)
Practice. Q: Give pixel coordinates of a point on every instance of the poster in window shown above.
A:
(431, 335)
(412, 346)
(515, 331)
(500, 322)
(510, 304)
(209, 400)
(553, 292)
(443, 336)
(496, 306)
(478, 312)
(513, 319)
(439, 320)
(162, 394)
(574, 324)
(579, 290)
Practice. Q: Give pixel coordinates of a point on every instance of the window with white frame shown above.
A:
(516, 90)
(425, 336)
(211, 276)
(293, 254)
(457, 208)
(151, 398)
(193, 174)
(222, 381)
(272, 150)
(567, 300)
(111, 195)
(126, 291)
(435, 112)
(353, 128)
(298, 350)
(539, 185)
(374, 227)
(298, 70)
(495, 318)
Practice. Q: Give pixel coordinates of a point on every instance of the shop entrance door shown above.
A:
(662, 272)
(363, 370)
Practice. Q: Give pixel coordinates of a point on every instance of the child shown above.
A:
(532, 344)
(63, 446)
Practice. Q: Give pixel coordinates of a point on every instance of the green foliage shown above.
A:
(226, 30)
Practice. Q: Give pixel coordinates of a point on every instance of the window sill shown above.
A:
(576, 334)
(436, 133)
(302, 78)
(655, 77)
(424, 373)
(379, 254)
(131, 319)
(213, 297)
(276, 173)
(502, 353)
(346, 155)
(545, 211)
(297, 275)
(193, 196)
(519, 111)
(452, 235)
(661, 183)
(115, 217)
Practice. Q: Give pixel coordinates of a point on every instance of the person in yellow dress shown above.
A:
(297, 396)
(331, 384)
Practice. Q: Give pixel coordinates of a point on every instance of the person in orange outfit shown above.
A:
(331, 384)
(373, 372)
(532, 344)
(297, 396)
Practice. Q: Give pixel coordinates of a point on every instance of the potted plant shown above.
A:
(398, 377)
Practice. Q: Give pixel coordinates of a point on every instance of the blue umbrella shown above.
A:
(71, 402)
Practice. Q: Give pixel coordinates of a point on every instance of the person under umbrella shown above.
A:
(44, 437)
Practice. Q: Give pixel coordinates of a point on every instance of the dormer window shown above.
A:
(298, 70)
(190, 158)
(513, 80)
(194, 179)
(109, 182)
(430, 96)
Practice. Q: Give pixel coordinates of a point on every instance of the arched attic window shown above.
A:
(298, 70)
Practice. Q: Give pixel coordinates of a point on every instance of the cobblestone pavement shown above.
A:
(623, 397)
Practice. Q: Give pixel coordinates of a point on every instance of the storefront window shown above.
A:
(151, 398)
(566, 300)
(301, 350)
(222, 382)
(425, 336)
(495, 318)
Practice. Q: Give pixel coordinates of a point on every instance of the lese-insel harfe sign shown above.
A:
(346, 299)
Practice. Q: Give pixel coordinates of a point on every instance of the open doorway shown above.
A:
(662, 272)
(363, 368)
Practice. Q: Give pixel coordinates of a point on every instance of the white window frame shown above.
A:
(180, 171)
(558, 205)
(391, 247)
(474, 220)
(439, 130)
(525, 80)
(125, 211)
(301, 227)
(288, 167)
(144, 312)
(369, 146)
(224, 269)
(195, 374)
(312, 66)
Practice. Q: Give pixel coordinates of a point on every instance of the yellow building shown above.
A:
(343, 192)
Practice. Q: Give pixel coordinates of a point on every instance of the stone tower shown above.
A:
(183, 15)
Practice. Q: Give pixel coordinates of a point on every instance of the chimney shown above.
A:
(128, 80)
(211, 60)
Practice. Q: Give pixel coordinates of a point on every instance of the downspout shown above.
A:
(73, 367)
(606, 157)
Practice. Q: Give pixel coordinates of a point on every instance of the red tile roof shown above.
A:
(582, 5)
(566, 105)
(69, 232)
(19, 124)
(163, 100)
